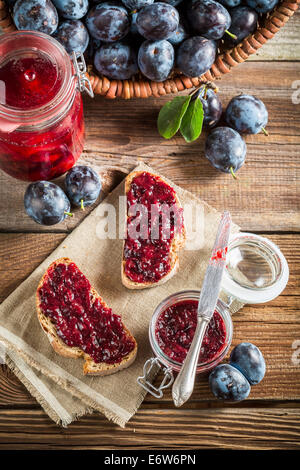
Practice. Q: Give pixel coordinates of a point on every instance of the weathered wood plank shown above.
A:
(235, 428)
(285, 45)
(120, 133)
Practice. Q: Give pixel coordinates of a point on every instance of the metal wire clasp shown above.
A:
(80, 72)
(167, 380)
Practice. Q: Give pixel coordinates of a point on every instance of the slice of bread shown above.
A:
(90, 367)
(177, 243)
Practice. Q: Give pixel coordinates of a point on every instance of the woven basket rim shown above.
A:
(143, 88)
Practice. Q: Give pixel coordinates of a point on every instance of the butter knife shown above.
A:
(184, 383)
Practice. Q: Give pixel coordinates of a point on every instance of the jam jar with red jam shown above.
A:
(41, 112)
(171, 332)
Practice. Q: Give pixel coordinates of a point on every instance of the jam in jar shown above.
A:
(175, 329)
(41, 112)
(171, 332)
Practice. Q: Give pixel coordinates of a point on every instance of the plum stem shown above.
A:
(81, 204)
(203, 87)
(233, 173)
(69, 214)
(233, 36)
(265, 131)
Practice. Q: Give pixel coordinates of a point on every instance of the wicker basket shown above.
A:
(143, 88)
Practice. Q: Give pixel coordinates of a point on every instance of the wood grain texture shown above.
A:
(284, 46)
(235, 428)
(119, 134)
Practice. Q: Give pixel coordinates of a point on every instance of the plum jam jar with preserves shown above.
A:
(171, 332)
(41, 111)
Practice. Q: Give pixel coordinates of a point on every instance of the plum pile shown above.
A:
(47, 204)
(123, 37)
(225, 147)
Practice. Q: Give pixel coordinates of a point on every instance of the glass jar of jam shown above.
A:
(256, 272)
(41, 112)
(171, 332)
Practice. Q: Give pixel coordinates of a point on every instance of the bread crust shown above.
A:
(89, 367)
(178, 242)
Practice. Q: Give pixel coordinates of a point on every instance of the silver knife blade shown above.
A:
(213, 276)
(184, 383)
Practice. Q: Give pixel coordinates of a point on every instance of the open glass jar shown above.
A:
(256, 272)
(41, 111)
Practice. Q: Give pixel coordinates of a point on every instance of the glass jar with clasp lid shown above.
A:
(256, 272)
(41, 110)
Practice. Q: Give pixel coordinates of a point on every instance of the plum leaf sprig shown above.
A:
(184, 113)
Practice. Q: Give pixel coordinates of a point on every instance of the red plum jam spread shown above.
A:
(80, 319)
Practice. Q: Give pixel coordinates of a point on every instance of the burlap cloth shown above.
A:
(58, 383)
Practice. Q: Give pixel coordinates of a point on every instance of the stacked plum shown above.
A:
(153, 37)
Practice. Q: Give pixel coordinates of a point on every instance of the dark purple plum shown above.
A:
(174, 3)
(94, 44)
(248, 359)
(46, 203)
(36, 15)
(227, 383)
(212, 106)
(196, 55)
(72, 9)
(247, 114)
(208, 18)
(243, 22)
(179, 36)
(134, 38)
(133, 26)
(157, 21)
(262, 6)
(136, 4)
(225, 149)
(73, 35)
(83, 185)
(108, 21)
(116, 60)
(230, 3)
(156, 59)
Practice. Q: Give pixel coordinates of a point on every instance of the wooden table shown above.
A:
(265, 199)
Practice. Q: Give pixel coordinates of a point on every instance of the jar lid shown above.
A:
(256, 270)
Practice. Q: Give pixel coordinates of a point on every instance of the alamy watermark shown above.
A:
(296, 93)
(156, 222)
(2, 353)
(296, 353)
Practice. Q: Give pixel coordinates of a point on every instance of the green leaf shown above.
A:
(191, 124)
(171, 114)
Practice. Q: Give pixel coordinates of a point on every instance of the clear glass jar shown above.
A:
(41, 111)
(256, 272)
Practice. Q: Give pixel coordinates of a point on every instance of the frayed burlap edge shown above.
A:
(41, 400)
(67, 385)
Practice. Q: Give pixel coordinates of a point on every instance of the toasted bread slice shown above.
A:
(177, 243)
(90, 367)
